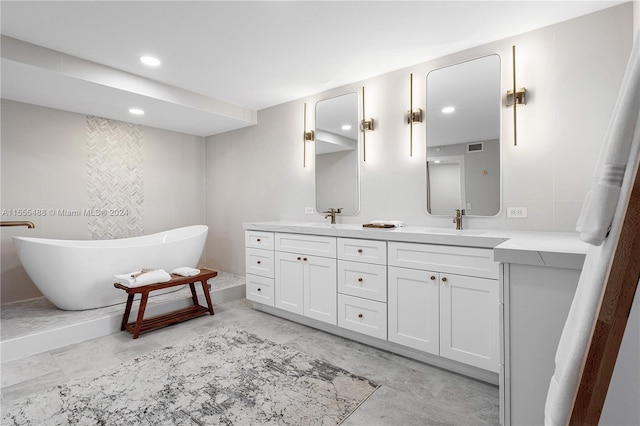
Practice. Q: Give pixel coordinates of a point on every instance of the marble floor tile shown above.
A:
(85, 358)
(411, 392)
(28, 368)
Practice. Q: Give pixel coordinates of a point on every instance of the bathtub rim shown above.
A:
(148, 239)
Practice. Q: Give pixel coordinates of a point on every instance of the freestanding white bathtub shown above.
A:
(78, 274)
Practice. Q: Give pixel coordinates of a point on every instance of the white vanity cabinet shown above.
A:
(259, 265)
(444, 300)
(362, 286)
(305, 276)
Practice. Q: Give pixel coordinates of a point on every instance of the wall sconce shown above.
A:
(308, 136)
(413, 116)
(365, 125)
(515, 97)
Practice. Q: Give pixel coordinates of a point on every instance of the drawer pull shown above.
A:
(433, 277)
(444, 279)
(258, 262)
(359, 250)
(359, 280)
(360, 315)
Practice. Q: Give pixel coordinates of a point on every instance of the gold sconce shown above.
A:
(308, 136)
(515, 97)
(413, 116)
(365, 125)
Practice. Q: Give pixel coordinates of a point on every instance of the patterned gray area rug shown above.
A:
(228, 377)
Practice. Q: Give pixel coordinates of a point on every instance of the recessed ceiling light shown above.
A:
(136, 111)
(346, 127)
(150, 60)
(448, 110)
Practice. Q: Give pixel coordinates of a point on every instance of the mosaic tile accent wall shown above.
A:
(115, 179)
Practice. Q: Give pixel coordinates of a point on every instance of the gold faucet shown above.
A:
(332, 214)
(18, 223)
(458, 219)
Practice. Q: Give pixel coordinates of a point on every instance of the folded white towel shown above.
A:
(186, 271)
(134, 280)
(396, 223)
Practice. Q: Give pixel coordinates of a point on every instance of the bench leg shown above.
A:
(143, 306)
(205, 289)
(127, 311)
(194, 296)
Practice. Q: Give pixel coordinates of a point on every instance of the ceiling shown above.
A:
(224, 61)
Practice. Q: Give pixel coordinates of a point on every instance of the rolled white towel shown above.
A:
(137, 279)
(186, 271)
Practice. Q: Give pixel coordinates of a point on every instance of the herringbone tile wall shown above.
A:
(115, 171)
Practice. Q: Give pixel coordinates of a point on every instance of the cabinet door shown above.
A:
(289, 278)
(469, 316)
(413, 309)
(320, 289)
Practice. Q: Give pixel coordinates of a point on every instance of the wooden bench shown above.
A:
(141, 325)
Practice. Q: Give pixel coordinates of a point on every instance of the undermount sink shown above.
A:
(447, 231)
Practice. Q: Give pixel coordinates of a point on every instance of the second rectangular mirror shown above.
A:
(463, 138)
(337, 160)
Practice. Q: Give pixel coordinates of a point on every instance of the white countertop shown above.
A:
(553, 249)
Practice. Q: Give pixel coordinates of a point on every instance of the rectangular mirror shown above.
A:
(463, 138)
(337, 160)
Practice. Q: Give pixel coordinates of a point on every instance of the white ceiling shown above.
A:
(223, 61)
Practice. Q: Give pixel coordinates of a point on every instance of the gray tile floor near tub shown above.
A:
(412, 393)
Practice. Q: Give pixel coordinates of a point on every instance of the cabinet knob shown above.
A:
(258, 262)
(359, 250)
(259, 289)
(433, 277)
(444, 279)
(359, 280)
(258, 240)
(360, 315)
(305, 259)
(299, 258)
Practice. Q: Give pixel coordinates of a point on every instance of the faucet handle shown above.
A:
(339, 210)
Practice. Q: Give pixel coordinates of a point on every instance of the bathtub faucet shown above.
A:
(18, 223)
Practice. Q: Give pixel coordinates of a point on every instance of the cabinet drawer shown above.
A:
(469, 261)
(363, 280)
(260, 289)
(362, 315)
(259, 239)
(306, 244)
(368, 251)
(259, 262)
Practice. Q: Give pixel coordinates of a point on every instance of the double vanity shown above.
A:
(486, 304)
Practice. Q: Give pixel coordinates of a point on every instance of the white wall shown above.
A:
(45, 166)
(572, 72)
